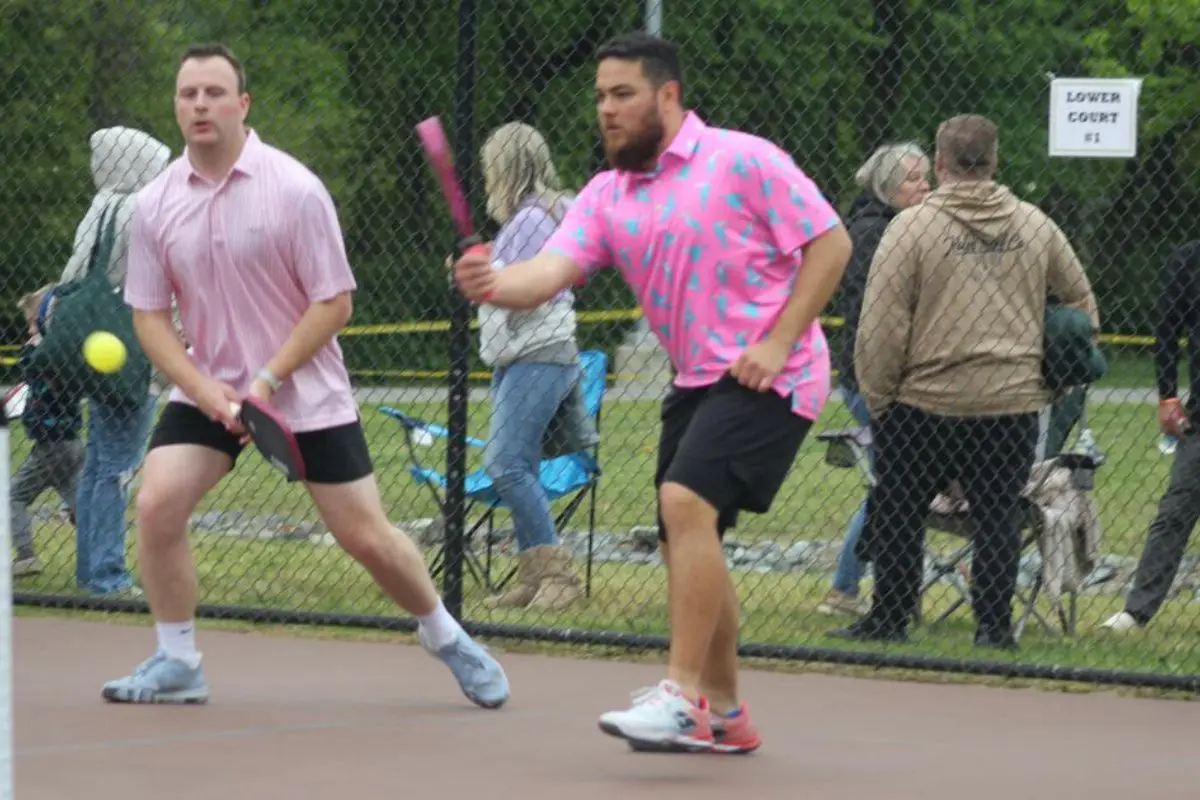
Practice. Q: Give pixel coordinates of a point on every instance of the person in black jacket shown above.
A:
(895, 177)
(52, 420)
(1177, 312)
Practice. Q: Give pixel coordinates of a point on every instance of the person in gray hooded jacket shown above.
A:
(123, 161)
(535, 363)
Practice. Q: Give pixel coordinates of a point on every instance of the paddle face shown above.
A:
(437, 148)
(273, 437)
(15, 400)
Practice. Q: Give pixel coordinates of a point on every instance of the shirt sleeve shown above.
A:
(318, 249)
(885, 327)
(583, 234)
(147, 284)
(1175, 308)
(788, 201)
(1066, 278)
(25, 361)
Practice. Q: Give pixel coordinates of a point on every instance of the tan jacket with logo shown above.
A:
(953, 313)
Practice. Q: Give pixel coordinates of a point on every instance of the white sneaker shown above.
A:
(480, 676)
(660, 716)
(1121, 622)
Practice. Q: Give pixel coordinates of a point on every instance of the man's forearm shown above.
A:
(529, 284)
(157, 335)
(317, 326)
(1166, 359)
(1174, 309)
(825, 261)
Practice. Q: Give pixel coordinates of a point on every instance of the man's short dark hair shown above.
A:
(969, 144)
(659, 58)
(217, 50)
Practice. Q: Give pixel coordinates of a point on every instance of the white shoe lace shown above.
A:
(651, 695)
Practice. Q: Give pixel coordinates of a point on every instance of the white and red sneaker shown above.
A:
(662, 718)
(735, 733)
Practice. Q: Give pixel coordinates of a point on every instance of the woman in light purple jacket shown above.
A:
(535, 363)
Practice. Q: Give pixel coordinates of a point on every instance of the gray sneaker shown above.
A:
(25, 566)
(480, 676)
(159, 679)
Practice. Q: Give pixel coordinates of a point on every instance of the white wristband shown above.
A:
(268, 378)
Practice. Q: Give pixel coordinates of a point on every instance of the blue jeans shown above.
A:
(525, 397)
(848, 574)
(116, 442)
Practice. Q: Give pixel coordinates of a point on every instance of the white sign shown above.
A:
(1094, 117)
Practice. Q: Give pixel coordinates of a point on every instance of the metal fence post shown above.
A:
(460, 326)
(653, 11)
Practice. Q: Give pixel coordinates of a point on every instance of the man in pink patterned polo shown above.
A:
(733, 253)
(246, 240)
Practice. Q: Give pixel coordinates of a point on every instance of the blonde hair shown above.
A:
(29, 303)
(885, 171)
(517, 166)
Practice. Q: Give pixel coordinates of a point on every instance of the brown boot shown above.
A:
(558, 585)
(528, 575)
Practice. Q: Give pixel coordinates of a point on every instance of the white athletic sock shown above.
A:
(178, 640)
(440, 626)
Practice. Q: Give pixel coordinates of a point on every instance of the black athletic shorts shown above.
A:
(331, 455)
(729, 444)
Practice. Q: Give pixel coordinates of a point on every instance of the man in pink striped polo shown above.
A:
(245, 239)
(733, 253)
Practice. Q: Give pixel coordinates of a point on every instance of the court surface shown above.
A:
(300, 718)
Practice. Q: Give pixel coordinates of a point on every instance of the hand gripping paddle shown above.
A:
(273, 437)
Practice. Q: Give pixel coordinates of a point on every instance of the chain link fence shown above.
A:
(342, 84)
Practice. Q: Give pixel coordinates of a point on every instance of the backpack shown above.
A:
(83, 306)
(1071, 357)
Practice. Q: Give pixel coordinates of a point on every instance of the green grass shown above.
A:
(815, 503)
(1128, 367)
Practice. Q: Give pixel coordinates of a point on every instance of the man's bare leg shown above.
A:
(674, 715)
(719, 679)
(354, 514)
(176, 478)
(697, 578)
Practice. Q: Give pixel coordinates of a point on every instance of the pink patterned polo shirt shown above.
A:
(710, 241)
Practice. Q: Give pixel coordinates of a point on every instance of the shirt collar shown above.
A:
(247, 162)
(687, 139)
(682, 147)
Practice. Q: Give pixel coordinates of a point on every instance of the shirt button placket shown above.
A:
(216, 229)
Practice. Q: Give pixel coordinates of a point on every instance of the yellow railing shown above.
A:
(584, 317)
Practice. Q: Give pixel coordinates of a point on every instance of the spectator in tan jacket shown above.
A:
(948, 359)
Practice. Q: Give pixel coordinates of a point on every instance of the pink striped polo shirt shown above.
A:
(244, 259)
(710, 242)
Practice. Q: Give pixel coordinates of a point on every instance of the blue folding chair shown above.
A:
(574, 475)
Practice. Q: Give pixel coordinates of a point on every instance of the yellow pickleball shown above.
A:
(104, 352)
